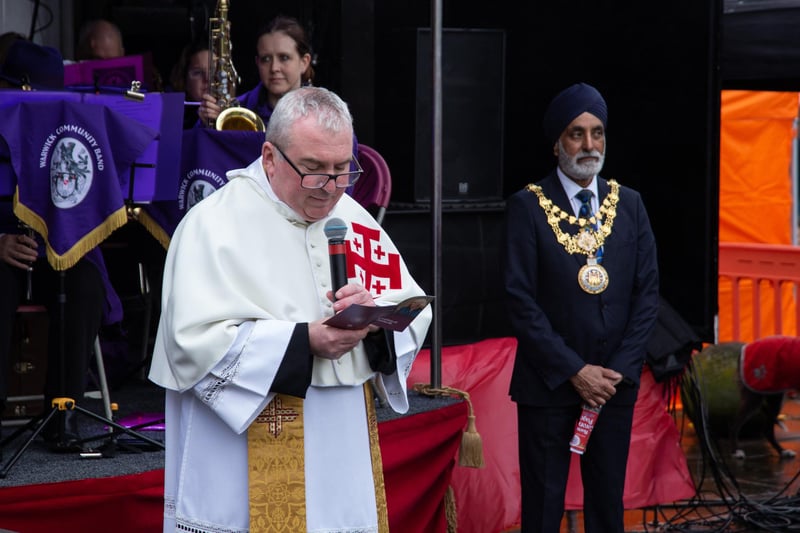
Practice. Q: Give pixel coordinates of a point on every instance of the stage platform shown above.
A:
(45, 492)
(72, 493)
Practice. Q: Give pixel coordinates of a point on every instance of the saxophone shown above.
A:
(223, 78)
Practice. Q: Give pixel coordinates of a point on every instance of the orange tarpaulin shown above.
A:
(755, 196)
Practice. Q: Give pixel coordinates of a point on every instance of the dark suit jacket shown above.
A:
(559, 327)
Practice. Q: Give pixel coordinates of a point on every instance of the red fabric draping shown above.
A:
(418, 458)
(488, 500)
(124, 504)
(657, 472)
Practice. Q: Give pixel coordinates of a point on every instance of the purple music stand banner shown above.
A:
(8, 179)
(67, 156)
(207, 155)
(154, 170)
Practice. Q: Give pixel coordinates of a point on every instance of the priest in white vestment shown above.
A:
(246, 292)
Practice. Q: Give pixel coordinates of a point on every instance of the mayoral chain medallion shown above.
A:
(589, 238)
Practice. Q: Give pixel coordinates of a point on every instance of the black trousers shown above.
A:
(83, 299)
(544, 459)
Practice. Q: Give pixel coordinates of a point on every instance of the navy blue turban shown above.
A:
(569, 104)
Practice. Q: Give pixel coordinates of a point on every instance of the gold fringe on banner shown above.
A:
(142, 217)
(470, 453)
(114, 221)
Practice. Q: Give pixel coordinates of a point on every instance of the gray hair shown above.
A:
(331, 112)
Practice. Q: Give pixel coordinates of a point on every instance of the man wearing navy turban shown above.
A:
(581, 281)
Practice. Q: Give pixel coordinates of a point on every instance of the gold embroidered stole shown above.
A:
(277, 466)
(377, 461)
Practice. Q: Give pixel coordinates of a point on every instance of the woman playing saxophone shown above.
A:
(284, 62)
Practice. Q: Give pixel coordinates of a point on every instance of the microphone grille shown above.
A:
(335, 229)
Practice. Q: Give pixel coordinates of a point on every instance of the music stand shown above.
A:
(144, 284)
(161, 114)
(109, 448)
(62, 404)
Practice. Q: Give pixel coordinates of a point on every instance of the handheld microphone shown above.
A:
(335, 230)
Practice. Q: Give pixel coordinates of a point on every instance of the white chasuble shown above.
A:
(224, 328)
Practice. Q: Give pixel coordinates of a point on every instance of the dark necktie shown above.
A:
(585, 211)
(585, 197)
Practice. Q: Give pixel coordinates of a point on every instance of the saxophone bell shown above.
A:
(239, 118)
(223, 78)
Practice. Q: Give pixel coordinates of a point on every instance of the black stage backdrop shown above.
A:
(659, 76)
(760, 45)
(656, 64)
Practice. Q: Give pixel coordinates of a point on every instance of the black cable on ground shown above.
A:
(725, 508)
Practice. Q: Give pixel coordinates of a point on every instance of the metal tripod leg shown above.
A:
(32, 423)
(118, 428)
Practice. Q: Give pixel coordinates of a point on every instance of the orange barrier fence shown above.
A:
(758, 286)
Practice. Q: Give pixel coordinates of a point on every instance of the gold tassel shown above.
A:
(450, 510)
(470, 452)
(114, 221)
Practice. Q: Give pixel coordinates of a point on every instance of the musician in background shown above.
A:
(99, 39)
(190, 76)
(6, 40)
(284, 63)
(27, 277)
(102, 39)
(283, 59)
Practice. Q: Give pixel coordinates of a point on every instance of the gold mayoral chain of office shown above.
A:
(589, 238)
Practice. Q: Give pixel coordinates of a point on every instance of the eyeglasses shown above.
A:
(198, 74)
(315, 180)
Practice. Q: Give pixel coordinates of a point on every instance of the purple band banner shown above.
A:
(207, 155)
(163, 112)
(68, 157)
(154, 170)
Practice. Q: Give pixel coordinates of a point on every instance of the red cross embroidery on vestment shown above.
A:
(376, 269)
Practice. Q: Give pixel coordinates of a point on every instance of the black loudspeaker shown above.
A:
(473, 96)
(472, 297)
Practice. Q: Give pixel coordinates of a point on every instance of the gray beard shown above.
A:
(580, 171)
